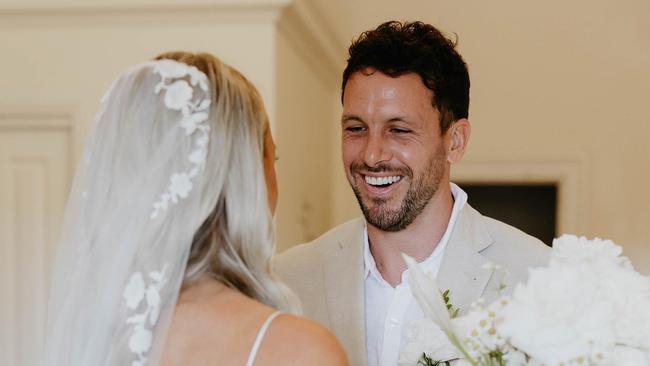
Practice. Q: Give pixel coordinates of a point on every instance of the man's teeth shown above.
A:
(382, 181)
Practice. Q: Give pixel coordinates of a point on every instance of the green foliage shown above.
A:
(494, 358)
(453, 312)
(427, 361)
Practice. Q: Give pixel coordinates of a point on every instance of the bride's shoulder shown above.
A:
(207, 315)
(301, 340)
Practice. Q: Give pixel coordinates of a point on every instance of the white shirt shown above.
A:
(389, 309)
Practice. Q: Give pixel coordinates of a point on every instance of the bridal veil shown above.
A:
(152, 171)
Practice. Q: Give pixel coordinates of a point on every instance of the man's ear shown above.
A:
(458, 137)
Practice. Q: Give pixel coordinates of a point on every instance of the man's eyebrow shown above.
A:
(400, 119)
(350, 118)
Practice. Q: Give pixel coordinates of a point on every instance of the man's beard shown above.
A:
(422, 189)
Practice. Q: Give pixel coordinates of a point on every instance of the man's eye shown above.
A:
(354, 129)
(399, 130)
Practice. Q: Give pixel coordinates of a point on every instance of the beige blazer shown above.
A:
(328, 273)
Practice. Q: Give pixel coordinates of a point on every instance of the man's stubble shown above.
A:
(422, 189)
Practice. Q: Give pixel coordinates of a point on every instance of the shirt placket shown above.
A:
(393, 325)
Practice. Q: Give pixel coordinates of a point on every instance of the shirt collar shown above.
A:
(460, 199)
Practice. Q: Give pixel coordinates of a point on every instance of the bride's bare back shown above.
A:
(214, 324)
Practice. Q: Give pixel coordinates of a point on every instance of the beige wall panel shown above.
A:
(34, 180)
(71, 63)
(305, 126)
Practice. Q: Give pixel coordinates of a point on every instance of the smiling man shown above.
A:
(405, 101)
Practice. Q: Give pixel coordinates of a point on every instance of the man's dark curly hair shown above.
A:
(395, 48)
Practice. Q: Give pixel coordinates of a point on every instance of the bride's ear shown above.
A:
(458, 138)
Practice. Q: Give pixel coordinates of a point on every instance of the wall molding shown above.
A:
(44, 118)
(30, 118)
(36, 176)
(314, 40)
(568, 171)
(84, 14)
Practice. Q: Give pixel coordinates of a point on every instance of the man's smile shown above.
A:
(380, 186)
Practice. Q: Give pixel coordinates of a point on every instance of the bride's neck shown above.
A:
(201, 288)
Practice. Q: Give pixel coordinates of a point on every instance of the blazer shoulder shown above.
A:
(307, 254)
(515, 246)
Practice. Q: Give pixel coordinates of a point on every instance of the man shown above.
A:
(405, 106)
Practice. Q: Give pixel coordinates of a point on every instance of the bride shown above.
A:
(165, 249)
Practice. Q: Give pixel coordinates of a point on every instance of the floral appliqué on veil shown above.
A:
(134, 293)
(178, 97)
(141, 297)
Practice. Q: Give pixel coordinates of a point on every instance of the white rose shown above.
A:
(558, 315)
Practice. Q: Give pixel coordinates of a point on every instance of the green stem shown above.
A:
(459, 346)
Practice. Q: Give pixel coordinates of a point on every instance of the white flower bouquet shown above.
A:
(587, 307)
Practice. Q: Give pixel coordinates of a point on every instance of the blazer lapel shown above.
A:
(344, 292)
(461, 270)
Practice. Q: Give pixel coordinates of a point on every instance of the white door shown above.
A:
(35, 155)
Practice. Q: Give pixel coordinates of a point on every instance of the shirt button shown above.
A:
(393, 322)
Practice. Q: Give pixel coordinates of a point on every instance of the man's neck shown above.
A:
(418, 240)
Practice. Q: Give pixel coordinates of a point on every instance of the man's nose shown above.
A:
(376, 150)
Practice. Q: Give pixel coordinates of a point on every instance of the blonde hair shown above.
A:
(235, 243)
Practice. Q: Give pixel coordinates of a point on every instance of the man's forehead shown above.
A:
(405, 82)
(388, 93)
(378, 91)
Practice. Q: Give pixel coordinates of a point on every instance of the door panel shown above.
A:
(34, 181)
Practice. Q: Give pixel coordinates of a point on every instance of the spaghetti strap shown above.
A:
(260, 336)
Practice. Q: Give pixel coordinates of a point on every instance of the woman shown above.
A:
(168, 233)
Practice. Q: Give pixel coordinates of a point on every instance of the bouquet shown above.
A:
(587, 307)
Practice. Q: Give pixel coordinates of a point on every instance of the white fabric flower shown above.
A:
(203, 140)
(134, 291)
(170, 69)
(191, 123)
(153, 296)
(178, 95)
(180, 186)
(140, 341)
(197, 77)
(198, 156)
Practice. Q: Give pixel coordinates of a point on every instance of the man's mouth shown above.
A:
(382, 181)
(381, 186)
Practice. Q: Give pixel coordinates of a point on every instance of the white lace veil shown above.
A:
(141, 191)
